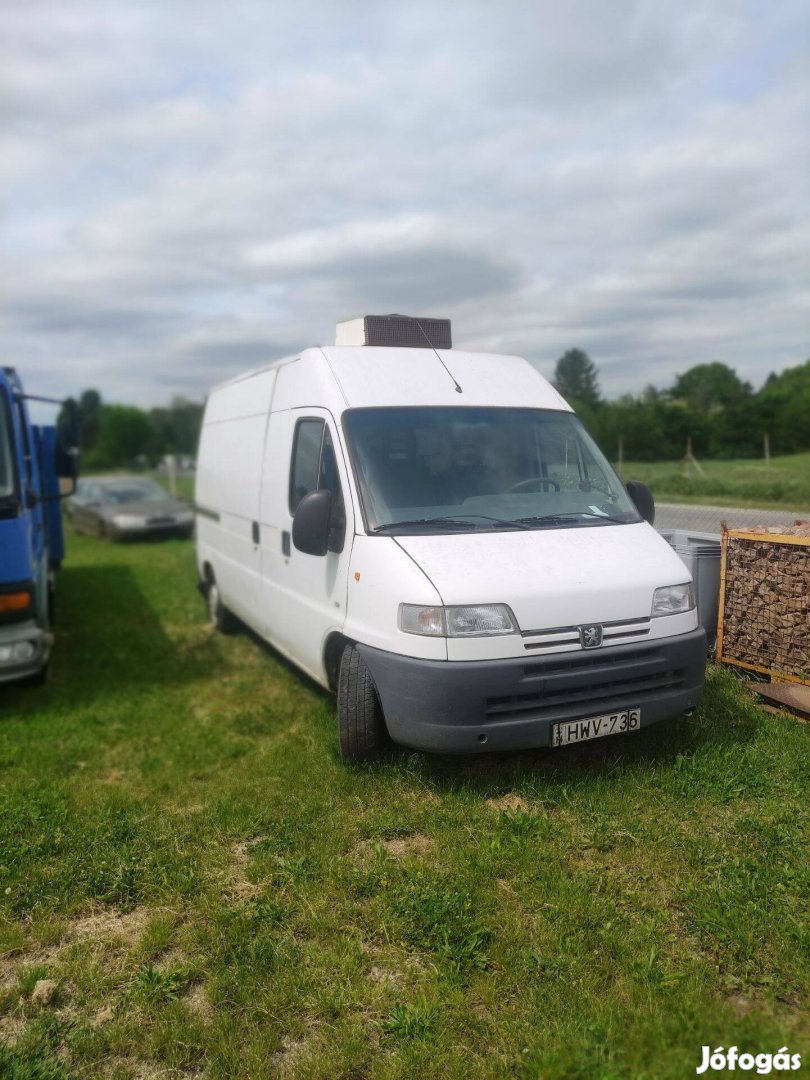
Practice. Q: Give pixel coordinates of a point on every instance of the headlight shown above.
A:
(475, 620)
(127, 521)
(672, 600)
(185, 517)
(17, 652)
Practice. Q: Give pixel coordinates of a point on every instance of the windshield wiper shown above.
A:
(604, 517)
(560, 519)
(453, 522)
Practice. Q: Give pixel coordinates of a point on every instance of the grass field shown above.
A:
(214, 894)
(743, 482)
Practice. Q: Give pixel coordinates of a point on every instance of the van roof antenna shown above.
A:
(430, 343)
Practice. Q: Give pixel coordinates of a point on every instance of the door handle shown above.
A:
(285, 543)
(255, 532)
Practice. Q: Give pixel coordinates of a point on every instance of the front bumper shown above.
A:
(472, 706)
(20, 634)
(151, 532)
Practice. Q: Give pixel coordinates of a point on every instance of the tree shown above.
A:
(83, 417)
(89, 418)
(577, 379)
(123, 436)
(707, 387)
(783, 409)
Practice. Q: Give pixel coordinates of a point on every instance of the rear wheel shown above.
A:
(361, 727)
(222, 620)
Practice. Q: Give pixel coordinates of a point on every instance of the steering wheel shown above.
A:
(533, 484)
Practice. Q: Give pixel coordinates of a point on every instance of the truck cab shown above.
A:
(31, 540)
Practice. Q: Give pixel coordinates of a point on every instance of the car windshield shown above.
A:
(130, 491)
(6, 463)
(456, 469)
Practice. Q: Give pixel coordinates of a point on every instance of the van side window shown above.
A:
(314, 467)
(306, 459)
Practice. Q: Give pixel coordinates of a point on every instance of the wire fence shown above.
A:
(708, 519)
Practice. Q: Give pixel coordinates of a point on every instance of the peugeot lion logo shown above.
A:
(590, 636)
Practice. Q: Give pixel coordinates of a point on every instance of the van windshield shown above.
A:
(462, 469)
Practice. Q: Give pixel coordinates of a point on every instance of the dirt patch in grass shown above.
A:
(415, 844)
(127, 926)
(237, 885)
(398, 847)
(13, 963)
(102, 1017)
(385, 976)
(139, 1070)
(44, 992)
(199, 1004)
(289, 1054)
(509, 802)
(101, 925)
(11, 1029)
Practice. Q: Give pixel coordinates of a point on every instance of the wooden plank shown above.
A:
(769, 538)
(779, 676)
(722, 602)
(795, 698)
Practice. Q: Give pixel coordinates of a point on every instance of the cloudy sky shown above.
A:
(189, 189)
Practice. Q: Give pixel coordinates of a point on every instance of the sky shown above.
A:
(191, 189)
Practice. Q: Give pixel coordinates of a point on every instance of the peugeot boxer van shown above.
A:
(434, 536)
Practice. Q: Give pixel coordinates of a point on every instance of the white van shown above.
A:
(433, 535)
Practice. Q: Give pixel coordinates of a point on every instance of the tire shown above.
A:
(222, 620)
(361, 726)
(39, 678)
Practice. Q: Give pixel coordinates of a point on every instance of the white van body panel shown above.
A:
(308, 380)
(371, 377)
(552, 579)
(381, 576)
(236, 422)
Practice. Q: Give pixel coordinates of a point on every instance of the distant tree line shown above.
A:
(709, 405)
(123, 435)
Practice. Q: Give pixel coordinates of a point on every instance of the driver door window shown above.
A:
(314, 468)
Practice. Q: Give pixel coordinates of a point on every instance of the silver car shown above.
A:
(122, 507)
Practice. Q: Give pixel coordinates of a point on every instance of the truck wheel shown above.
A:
(361, 727)
(221, 619)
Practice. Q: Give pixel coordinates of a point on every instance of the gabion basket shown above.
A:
(764, 616)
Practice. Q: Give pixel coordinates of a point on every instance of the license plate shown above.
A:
(595, 727)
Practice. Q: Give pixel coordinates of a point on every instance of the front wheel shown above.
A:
(361, 727)
(219, 616)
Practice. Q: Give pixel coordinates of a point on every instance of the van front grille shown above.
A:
(567, 639)
(588, 681)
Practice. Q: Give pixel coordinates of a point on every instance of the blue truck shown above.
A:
(33, 459)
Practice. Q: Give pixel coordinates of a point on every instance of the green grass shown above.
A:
(743, 482)
(215, 894)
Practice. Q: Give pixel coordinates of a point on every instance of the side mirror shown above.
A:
(67, 463)
(643, 499)
(310, 527)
